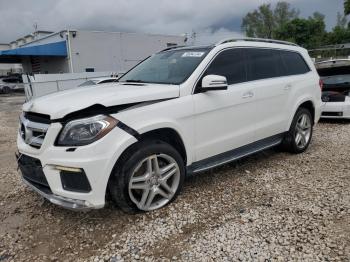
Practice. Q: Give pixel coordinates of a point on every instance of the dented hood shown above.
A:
(59, 104)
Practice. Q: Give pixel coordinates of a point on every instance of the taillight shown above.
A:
(321, 84)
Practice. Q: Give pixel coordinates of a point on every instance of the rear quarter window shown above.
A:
(293, 63)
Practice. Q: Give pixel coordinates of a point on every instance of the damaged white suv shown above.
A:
(181, 111)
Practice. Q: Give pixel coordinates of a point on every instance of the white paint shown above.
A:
(208, 123)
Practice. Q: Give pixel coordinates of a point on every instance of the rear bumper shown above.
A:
(336, 110)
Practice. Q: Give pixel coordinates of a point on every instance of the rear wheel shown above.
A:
(148, 176)
(299, 135)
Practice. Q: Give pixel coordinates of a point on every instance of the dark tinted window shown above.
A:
(262, 63)
(11, 80)
(229, 63)
(293, 63)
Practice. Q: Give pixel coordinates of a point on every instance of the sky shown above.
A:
(210, 19)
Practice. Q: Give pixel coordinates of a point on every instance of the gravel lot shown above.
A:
(273, 206)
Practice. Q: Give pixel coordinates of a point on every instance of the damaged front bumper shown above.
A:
(72, 204)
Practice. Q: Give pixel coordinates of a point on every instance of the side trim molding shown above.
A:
(234, 154)
(128, 130)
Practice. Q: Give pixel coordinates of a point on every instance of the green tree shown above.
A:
(309, 33)
(341, 20)
(339, 35)
(264, 21)
(347, 7)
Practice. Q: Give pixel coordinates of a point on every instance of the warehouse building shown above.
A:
(8, 68)
(73, 51)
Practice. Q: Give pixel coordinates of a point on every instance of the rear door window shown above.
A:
(262, 63)
(229, 63)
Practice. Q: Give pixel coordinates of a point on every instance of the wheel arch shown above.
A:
(166, 134)
(305, 103)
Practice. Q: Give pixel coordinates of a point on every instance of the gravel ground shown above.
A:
(270, 206)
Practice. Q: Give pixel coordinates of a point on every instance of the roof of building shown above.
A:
(50, 49)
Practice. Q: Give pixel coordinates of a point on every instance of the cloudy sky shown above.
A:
(209, 18)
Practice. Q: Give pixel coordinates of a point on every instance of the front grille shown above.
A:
(332, 113)
(32, 171)
(33, 133)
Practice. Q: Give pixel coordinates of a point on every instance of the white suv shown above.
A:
(180, 111)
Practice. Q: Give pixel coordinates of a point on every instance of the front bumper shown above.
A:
(73, 204)
(97, 160)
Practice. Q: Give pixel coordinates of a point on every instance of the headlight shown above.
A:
(86, 130)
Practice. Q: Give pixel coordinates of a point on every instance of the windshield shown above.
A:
(168, 67)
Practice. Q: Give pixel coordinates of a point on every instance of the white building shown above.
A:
(72, 51)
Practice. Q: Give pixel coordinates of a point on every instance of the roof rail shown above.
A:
(251, 39)
(171, 47)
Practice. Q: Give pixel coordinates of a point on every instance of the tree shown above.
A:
(284, 13)
(339, 35)
(341, 20)
(347, 7)
(309, 33)
(264, 21)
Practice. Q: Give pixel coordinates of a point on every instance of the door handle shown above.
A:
(248, 94)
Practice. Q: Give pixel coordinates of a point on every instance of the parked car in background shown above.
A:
(98, 81)
(11, 83)
(335, 75)
(180, 111)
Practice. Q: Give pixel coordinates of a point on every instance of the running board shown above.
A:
(234, 154)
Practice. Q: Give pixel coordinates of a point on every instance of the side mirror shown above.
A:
(213, 82)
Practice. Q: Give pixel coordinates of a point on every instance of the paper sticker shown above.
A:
(193, 54)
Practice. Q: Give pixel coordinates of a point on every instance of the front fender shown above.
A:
(166, 123)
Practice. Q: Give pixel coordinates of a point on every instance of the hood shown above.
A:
(59, 104)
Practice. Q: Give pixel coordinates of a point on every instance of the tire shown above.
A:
(131, 186)
(298, 138)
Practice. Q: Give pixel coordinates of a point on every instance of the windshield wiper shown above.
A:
(134, 81)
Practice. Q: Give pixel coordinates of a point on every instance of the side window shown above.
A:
(229, 63)
(294, 63)
(262, 63)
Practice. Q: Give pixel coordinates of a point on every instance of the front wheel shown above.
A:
(148, 176)
(299, 135)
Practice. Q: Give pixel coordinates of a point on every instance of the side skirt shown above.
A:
(234, 154)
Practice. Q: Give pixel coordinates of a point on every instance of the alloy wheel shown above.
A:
(154, 182)
(303, 131)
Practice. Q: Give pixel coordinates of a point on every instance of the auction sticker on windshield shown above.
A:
(193, 54)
